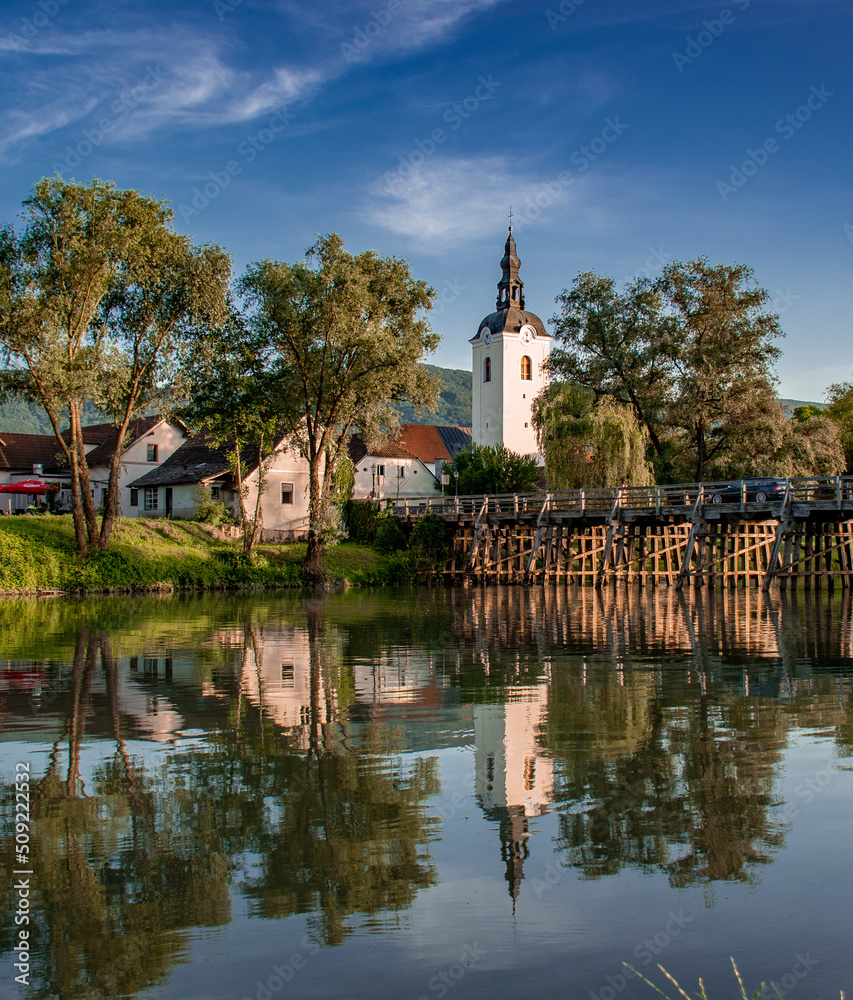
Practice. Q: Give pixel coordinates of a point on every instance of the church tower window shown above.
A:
(526, 369)
(487, 370)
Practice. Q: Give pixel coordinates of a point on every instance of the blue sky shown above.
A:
(623, 133)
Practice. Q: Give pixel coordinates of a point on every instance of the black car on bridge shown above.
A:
(756, 490)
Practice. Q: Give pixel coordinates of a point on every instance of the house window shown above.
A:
(152, 452)
(134, 498)
(287, 492)
(214, 492)
(401, 471)
(380, 470)
(526, 369)
(152, 497)
(487, 370)
(287, 675)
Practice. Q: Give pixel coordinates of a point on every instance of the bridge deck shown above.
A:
(651, 535)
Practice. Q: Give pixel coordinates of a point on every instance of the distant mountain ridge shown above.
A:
(454, 407)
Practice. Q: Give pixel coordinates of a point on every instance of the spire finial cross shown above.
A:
(510, 218)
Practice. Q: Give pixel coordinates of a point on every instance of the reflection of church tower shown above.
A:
(509, 351)
(512, 781)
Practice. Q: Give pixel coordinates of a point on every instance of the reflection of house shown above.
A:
(513, 781)
(410, 465)
(171, 489)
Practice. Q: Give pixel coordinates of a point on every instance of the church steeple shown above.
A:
(510, 287)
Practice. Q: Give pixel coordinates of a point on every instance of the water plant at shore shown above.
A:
(702, 994)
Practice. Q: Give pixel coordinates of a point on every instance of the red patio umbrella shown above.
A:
(31, 487)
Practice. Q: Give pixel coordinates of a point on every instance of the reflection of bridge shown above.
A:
(707, 532)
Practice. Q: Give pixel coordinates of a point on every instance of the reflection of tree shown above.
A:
(115, 879)
(685, 788)
(133, 858)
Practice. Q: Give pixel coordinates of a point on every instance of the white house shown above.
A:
(171, 489)
(408, 466)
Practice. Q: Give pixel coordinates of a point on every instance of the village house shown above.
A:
(39, 456)
(172, 489)
(409, 465)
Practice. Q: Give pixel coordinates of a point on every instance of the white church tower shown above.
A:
(510, 349)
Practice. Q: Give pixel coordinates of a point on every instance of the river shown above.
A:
(473, 793)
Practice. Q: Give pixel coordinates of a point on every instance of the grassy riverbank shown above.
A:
(39, 554)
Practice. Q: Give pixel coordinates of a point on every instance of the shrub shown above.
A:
(390, 537)
(360, 517)
(208, 508)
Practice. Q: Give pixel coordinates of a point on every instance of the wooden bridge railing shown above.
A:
(825, 493)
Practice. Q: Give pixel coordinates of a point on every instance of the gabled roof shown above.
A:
(102, 455)
(198, 460)
(424, 442)
(22, 451)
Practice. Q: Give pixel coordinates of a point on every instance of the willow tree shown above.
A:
(93, 294)
(589, 443)
(344, 337)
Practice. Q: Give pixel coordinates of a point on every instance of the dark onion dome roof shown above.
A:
(511, 315)
(511, 321)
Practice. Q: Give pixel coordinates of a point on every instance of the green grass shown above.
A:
(39, 553)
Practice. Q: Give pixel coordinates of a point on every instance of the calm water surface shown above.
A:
(494, 793)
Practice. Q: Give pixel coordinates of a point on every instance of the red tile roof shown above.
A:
(19, 452)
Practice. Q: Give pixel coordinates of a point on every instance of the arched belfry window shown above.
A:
(487, 370)
(526, 369)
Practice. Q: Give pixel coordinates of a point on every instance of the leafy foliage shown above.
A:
(494, 469)
(589, 442)
(208, 508)
(343, 343)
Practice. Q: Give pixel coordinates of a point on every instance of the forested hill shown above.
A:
(454, 408)
(18, 417)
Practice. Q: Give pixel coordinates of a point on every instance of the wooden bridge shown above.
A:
(651, 535)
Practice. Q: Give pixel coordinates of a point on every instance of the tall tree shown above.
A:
(344, 343)
(840, 410)
(234, 401)
(92, 294)
(609, 342)
(589, 443)
(719, 342)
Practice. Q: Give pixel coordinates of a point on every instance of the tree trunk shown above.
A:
(251, 539)
(83, 472)
(701, 457)
(314, 567)
(112, 501)
(77, 496)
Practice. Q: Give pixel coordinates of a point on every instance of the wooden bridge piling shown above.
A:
(651, 536)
